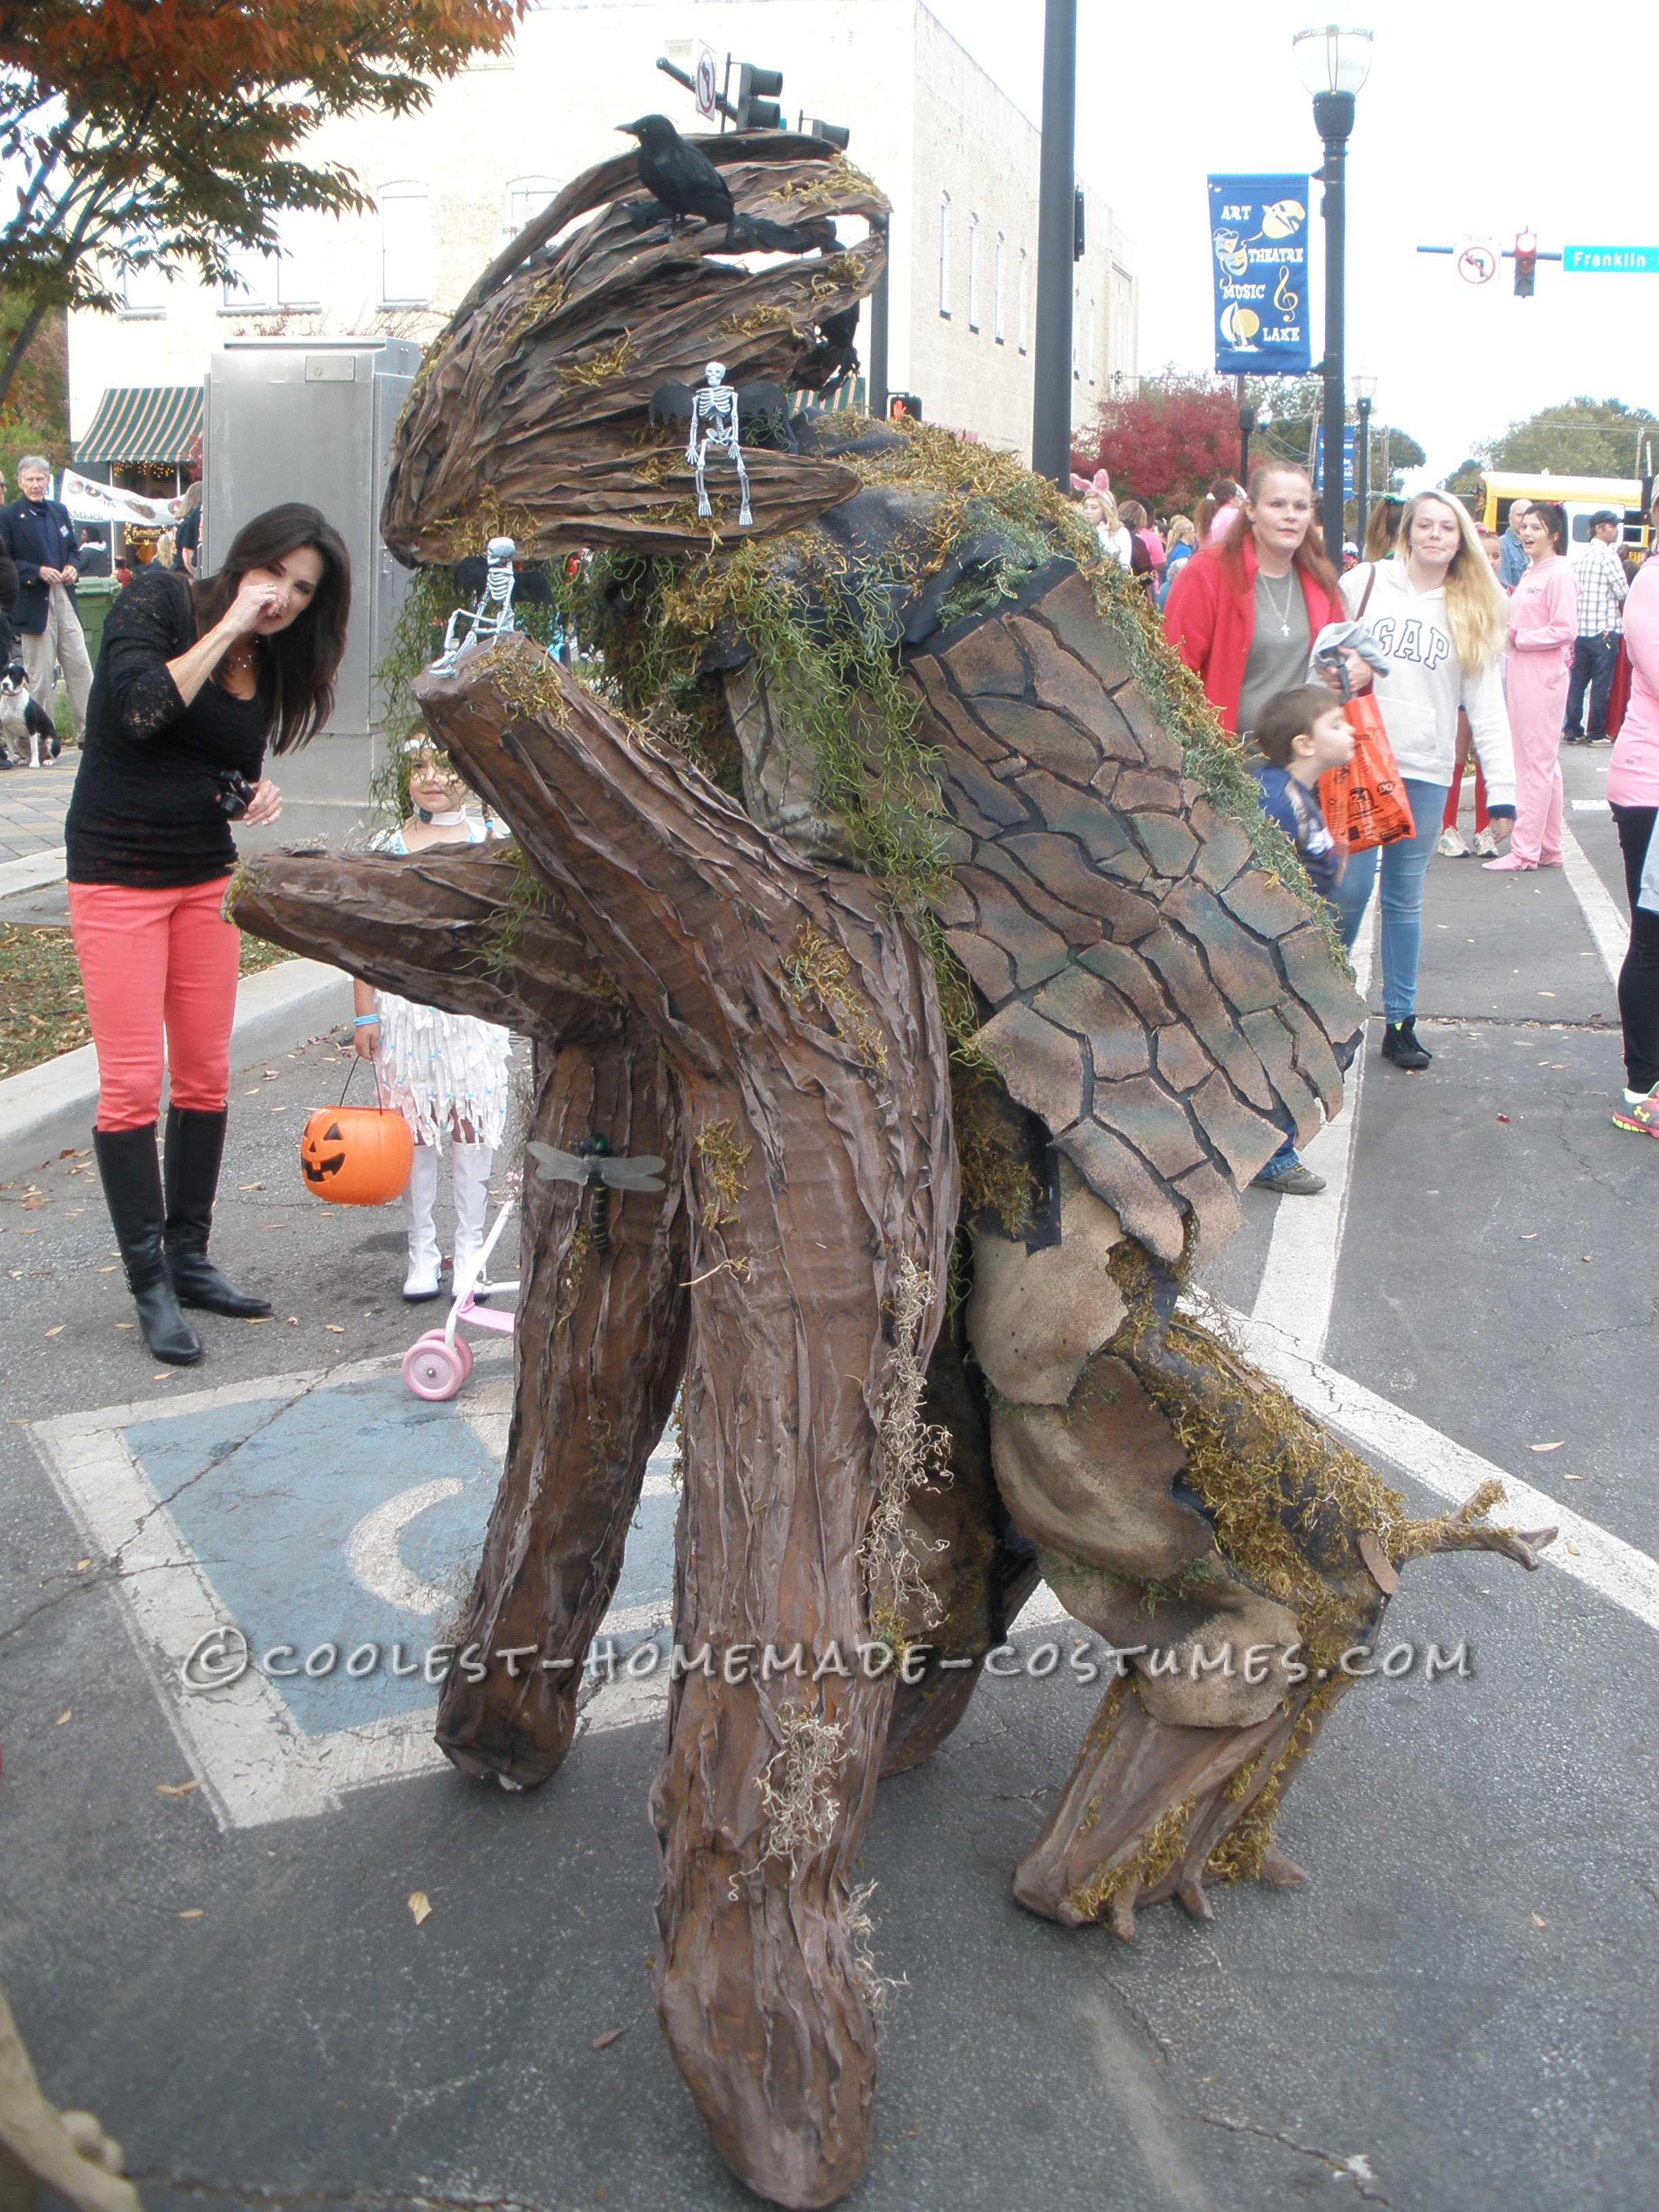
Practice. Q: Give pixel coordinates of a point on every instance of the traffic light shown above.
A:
(756, 111)
(833, 134)
(1526, 263)
(904, 407)
(1080, 235)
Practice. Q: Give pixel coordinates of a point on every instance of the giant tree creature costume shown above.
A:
(895, 885)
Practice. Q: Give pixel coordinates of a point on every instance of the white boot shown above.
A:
(421, 1283)
(469, 1184)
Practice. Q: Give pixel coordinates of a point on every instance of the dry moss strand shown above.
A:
(909, 1452)
(817, 972)
(723, 1157)
(796, 1788)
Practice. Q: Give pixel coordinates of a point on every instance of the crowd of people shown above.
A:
(1473, 645)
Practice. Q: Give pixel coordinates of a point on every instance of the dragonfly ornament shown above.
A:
(592, 1162)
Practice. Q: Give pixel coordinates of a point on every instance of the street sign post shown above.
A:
(1610, 260)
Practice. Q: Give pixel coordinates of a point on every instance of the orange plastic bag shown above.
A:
(1364, 804)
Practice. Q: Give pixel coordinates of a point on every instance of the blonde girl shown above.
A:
(1436, 610)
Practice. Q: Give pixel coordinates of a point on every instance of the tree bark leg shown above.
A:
(808, 1061)
(603, 1339)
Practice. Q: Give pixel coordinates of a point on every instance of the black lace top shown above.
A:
(145, 811)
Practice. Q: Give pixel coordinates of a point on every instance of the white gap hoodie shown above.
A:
(1425, 684)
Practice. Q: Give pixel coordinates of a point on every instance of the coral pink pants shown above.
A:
(155, 965)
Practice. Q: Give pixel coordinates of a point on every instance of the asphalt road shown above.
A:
(1457, 2015)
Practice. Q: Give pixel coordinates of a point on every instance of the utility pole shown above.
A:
(1051, 379)
(1334, 119)
(879, 326)
(1246, 424)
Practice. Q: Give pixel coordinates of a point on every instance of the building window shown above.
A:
(143, 294)
(526, 198)
(973, 272)
(1094, 334)
(1077, 355)
(1020, 300)
(945, 255)
(291, 276)
(405, 246)
(996, 291)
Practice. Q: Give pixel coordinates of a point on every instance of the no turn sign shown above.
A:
(707, 87)
(1477, 259)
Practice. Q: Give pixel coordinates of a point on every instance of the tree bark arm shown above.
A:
(445, 929)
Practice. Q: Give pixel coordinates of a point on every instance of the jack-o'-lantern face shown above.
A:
(355, 1155)
(322, 1151)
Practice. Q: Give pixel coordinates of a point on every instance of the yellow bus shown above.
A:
(1582, 496)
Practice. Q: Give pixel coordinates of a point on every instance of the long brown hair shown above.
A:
(1221, 492)
(298, 665)
(1309, 556)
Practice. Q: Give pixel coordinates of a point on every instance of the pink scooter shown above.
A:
(437, 1364)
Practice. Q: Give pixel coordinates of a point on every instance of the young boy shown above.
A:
(1300, 734)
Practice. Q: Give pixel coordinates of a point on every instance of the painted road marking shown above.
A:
(1605, 1563)
(271, 1507)
(1609, 931)
(1298, 1282)
(372, 1549)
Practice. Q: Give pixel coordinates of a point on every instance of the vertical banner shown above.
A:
(1349, 434)
(1259, 250)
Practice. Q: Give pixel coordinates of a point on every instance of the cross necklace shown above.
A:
(1284, 613)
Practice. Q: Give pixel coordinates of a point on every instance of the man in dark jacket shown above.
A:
(38, 534)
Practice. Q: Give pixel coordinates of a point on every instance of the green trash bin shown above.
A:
(92, 595)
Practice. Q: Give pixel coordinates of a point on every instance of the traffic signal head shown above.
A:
(904, 407)
(1526, 263)
(757, 110)
(833, 134)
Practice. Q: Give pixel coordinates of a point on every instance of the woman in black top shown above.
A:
(194, 681)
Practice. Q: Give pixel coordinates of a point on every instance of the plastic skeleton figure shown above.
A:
(491, 617)
(714, 428)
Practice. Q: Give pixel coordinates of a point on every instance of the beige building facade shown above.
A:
(450, 186)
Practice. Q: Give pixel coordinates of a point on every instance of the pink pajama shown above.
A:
(159, 971)
(1543, 624)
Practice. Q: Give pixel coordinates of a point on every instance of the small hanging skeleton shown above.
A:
(493, 616)
(715, 428)
(592, 1162)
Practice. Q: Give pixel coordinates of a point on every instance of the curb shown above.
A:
(33, 872)
(49, 1108)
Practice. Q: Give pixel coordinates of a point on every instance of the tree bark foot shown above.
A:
(1154, 1811)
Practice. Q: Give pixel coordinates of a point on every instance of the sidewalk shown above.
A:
(32, 805)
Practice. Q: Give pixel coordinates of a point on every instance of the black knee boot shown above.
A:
(131, 1177)
(195, 1142)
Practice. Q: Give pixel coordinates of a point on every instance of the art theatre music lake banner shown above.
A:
(1259, 245)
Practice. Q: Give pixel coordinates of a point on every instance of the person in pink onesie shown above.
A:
(1543, 626)
(1633, 795)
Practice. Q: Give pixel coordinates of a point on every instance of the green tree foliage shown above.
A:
(1581, 437)
(170, 132)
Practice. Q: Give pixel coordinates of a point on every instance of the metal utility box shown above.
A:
(312, 419)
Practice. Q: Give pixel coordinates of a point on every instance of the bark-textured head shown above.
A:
(530, 415)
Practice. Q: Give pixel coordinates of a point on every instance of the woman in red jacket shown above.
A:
(1243, 615)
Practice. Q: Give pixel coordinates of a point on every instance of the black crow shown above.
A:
(683, 181)
(683, 178)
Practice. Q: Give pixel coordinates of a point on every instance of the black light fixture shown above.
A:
(1334, 62)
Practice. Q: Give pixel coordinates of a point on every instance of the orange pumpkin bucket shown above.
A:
(355, 1155)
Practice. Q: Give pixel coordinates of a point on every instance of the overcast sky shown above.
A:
(1476, 117)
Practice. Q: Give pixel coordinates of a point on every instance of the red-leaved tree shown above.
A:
(1166, 445)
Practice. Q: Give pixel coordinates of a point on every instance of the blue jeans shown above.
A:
(1404, 866)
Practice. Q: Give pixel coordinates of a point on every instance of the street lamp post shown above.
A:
(1333, 62)
(1364, 387)
(1051, 369)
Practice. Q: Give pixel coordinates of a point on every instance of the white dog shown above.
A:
(25, 725)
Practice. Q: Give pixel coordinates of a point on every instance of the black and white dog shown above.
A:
(26, 730)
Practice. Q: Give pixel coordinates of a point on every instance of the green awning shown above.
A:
(144, 422)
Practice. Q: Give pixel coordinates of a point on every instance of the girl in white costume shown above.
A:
(446, 1073)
